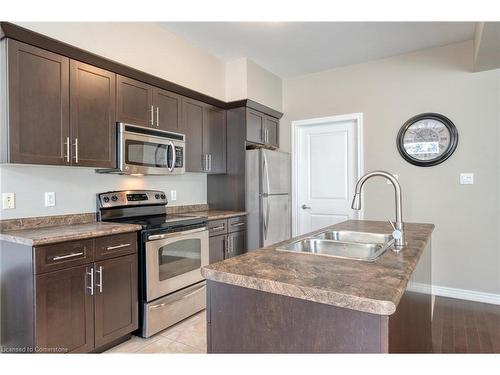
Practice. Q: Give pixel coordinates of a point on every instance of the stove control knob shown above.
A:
(163, 196)
(105, 199)
(114, 198)
(157, 196)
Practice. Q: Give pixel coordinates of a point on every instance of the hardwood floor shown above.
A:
(465, 327)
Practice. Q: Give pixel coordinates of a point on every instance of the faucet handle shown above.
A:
(396, 233)
(392, 224)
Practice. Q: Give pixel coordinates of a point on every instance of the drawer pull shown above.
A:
(117, 246)
(238, 224)
(67, 256)
(218, 228)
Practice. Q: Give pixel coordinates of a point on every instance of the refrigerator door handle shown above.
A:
(265, 218)
(266, 174)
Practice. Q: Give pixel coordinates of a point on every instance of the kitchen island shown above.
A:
(270, 301)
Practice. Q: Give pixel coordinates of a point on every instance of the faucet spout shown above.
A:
(398, 233)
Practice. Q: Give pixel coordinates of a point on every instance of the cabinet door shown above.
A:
(192, 119)
(92, 115)
(64, 310)
(38, 97)
(116, 301)
(167, 110)
(134, 102)
(214, 139)
(237, 243)
(271, 126)
(217, 248)
(255, 123)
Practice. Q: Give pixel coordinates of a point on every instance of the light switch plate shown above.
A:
(8, 201)
(466, 178)
(50, 199)
(173, 195)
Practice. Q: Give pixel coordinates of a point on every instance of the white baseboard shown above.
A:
(443, 291)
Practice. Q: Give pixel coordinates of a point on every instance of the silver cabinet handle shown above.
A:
(306, 207)
(67, 256)
(226, 247)
(157, 117)
(67, 144)
(76, 150)
(151, 119)
(100, 279)
(218, 228)
(91, 287)
(237, 224)
(210, 162)
(117, 246)
(266, 133)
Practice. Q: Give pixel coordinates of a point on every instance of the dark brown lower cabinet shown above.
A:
(64, 311)
(217, 248)
(70, 297)
(229, 244)
(116, 305)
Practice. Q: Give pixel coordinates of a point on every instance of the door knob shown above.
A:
(306, 207)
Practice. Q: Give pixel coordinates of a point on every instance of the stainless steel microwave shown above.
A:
(146, 151)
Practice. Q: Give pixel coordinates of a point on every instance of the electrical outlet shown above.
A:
(8, 201)
(466, 178)
(50, 199)
(173, 195)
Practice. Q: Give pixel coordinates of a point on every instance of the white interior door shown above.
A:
(326, 170)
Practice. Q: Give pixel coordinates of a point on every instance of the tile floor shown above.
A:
(188, 336)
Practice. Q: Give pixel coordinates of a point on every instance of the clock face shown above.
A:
(427, 139)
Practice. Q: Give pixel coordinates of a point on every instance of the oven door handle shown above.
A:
(175, 234)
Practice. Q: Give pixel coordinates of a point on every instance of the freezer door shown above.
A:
(276, 219)
(275, 167)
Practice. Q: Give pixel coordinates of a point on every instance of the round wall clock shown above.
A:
(427, 139)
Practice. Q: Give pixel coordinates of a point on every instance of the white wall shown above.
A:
(245, 79)
(388, 92)
(76, 188)
(145, 46)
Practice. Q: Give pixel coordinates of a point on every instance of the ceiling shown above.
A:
(294, 48)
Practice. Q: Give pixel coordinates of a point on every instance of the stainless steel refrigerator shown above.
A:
(267, 197)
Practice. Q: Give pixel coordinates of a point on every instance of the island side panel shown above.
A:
(16, 296)
(243, 320)
(410, 327)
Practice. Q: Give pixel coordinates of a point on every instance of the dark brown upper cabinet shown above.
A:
(65, 310)
(116, 303)
(167, 110)
(38, 106)
(144, 105)
(92, 116)
(205, 129)
(134, 102)
(214, 139)
(261, 128)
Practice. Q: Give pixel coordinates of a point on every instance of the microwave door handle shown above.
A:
(172, 147)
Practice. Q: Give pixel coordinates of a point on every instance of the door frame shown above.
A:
(299, 124)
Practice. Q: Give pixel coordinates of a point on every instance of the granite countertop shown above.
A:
(218, 214)
(373, 287)
(61, 233)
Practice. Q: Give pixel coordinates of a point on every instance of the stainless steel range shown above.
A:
(173, 248)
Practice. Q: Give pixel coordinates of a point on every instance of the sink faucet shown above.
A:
(398, 232)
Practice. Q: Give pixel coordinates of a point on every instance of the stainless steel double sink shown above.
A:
(343, 244)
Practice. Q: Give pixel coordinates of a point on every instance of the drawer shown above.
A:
(216, 227)
(115, 246)
(237, 224)
(63, 255)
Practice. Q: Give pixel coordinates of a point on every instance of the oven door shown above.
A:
(149, 154)
(174, 261)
